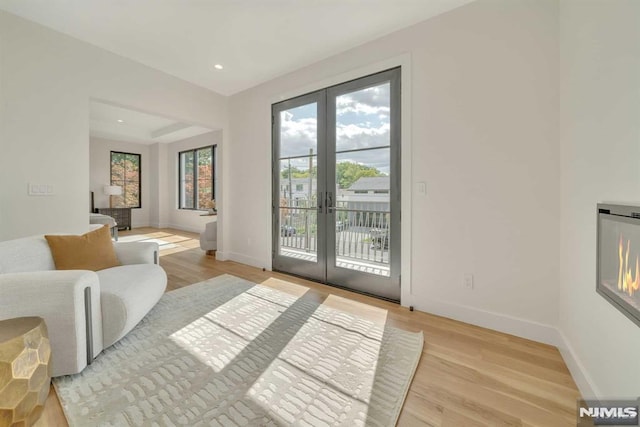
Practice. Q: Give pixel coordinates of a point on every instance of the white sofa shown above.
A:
(85, 311)
(99, 219)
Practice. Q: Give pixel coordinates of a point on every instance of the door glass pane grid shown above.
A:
(363, 211)
(298, 233)
(299, 131)
(362, 240)
(363, 118)
(298, 183)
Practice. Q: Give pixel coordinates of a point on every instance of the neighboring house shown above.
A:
(366, 202)
(297, 190)
(366, 194)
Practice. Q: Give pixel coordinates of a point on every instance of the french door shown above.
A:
(336, 185)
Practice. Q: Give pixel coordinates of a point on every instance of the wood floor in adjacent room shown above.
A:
(467, 376)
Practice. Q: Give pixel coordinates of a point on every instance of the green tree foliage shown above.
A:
(125, 172)
(197, 172)
(205, 176)
(298, 173)
(347, 173)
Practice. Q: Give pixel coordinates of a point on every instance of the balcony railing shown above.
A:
(361, 235)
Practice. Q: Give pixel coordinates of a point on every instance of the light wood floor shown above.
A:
(467, 376)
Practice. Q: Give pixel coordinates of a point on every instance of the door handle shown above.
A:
(329, 202)
(319, 202)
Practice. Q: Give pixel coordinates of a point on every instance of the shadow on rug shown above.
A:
(228, 352)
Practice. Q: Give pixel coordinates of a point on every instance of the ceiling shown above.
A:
(122, 124)
(255, 40)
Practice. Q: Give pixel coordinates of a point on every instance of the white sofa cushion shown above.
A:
(127, 294)
(25, 255)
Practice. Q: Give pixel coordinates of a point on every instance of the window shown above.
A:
(125, 173)
(197, 177)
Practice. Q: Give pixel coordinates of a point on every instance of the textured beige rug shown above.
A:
(227, 352)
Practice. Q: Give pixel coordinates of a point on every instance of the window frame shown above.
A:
(124, 187)
(195, 177)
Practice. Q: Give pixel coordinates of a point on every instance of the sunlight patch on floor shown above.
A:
(285, 286)
(168, 243)
(366, 311)
(219, 337)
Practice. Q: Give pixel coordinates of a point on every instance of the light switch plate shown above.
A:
(40, 189)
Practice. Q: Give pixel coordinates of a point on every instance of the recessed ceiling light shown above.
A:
(218, 67)
(120, 121)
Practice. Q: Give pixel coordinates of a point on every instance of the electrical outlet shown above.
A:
(468, 281)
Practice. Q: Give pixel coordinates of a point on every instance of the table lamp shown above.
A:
(112, 190)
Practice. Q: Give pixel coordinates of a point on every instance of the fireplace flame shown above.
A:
(626, 281)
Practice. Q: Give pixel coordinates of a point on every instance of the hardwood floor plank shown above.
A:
(467, 376)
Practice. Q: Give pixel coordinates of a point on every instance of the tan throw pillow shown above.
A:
(91, 251)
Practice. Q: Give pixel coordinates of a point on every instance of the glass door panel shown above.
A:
(363, 211)
(295, 187)
(298, 203)
(363, 249)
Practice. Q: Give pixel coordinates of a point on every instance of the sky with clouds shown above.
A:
(362, 121)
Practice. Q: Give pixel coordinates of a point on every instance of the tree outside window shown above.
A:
(125, 173)
(197, 178)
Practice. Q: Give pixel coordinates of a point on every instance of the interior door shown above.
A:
(336, 185)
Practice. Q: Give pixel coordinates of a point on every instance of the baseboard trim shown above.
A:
(582, 379)
(243, 259)
(221, 256)
(159, 225)
(523, 328)
(185, 228)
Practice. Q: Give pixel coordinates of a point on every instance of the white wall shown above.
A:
(159, 180)
(183, 219)
(600, 143)
(483, 129)
(100, 175)
(46, 80)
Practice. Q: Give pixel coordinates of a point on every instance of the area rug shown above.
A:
(228, 352)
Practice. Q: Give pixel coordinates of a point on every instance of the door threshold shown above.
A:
(339, 286)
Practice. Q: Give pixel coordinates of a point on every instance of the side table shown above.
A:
(25, 370)
(121, 215)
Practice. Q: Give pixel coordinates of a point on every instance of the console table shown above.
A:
(121, 215)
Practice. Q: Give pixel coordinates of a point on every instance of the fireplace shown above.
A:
(618, 264)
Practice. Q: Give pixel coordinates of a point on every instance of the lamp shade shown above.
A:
(112, 190)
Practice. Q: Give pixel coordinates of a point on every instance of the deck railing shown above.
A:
(360, 234)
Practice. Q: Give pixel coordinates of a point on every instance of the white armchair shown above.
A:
(209, 237)
(85, 311)
(59, 298)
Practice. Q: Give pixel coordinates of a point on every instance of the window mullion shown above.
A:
(195, 179)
